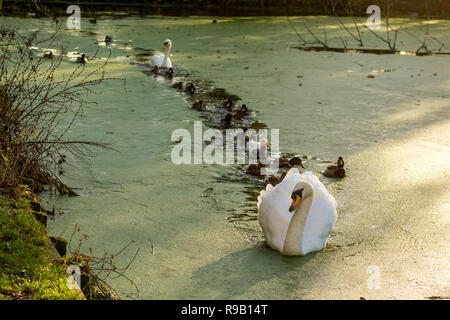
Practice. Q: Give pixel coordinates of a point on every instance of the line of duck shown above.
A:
(295, 211)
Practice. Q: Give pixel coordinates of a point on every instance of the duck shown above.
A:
(199, 105)
(215, 21)
(163, 61)
(297, 215)
(82, 59)
(336, 171)
(170, 72)
(155, 70)
(178, 85)
(190, 88)
(229, 104)
(241, 113)
(227, 120)
(286, 163)
(48, 55)
(274, 180)
(93, 20)
(108, 39)
(296, 161)
(256, 170)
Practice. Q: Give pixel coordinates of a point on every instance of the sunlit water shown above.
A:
(393, 132)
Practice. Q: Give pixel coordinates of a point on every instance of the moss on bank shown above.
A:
(27, 267)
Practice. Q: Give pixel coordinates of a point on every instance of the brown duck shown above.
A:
(241, 113)
(48, 55)
(190, 88)
(178, 85)
(274, 180)
(335, 171)
(286, 163)
(227, 120)
(255, 169)
(170, 72)
(199, 105)
(82, 59)
(229, 104)
(155, 70)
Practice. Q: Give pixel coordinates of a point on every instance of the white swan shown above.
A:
(297, 215)
(163, 61)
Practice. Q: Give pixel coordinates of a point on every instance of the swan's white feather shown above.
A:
(321, 218)
(157, 60)
(274, 216)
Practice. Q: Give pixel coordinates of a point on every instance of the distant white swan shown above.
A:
(297, 215)
(163, 61)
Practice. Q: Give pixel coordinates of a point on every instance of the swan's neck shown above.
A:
(166, 56)
(294, 236)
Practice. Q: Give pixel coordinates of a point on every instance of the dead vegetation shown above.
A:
(38, 108)
(97, 271)
(37, 111)
(311, 40)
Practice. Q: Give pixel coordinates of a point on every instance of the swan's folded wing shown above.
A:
(273, 216)
(285, 187)
(321, 192)
(263, 193)
(169, 63)
(157, 60)
(319, 224)
(291, 172)
(321, 218)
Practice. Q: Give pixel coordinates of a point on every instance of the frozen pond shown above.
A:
(392, 130)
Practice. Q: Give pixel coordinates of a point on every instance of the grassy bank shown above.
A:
(28, 269)
(36, 112)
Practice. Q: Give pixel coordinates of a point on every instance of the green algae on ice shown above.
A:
(393, 206)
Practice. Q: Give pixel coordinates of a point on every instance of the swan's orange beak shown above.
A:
(301, 165)
(295, 203)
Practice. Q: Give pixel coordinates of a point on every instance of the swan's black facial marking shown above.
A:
(296, 197)
(297, 193)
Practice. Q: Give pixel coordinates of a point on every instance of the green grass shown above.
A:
(27, 269)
